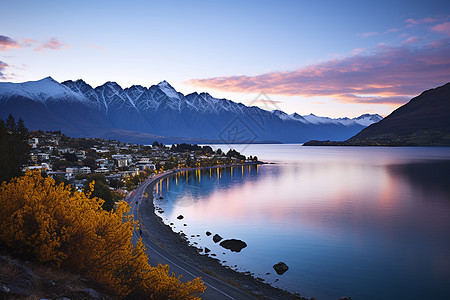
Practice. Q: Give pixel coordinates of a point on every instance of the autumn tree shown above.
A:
(100, 189)
(53, 225)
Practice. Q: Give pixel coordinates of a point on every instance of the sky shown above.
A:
(329, 58)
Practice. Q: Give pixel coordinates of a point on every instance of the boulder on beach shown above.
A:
(217, 238)
(233, 245)
(280, 268)
(180, 217)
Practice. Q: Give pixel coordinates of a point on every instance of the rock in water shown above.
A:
(217, 238)
(208, 233)
(180, 217)
(233, 245)
(280, 268)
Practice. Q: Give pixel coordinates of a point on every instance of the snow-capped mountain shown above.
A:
(364, 120)
(43, 91)
(138, 113)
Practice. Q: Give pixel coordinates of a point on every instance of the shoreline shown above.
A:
(178, 245)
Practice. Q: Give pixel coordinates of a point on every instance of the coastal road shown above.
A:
(215, 288)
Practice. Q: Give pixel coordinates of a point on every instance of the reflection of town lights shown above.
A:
(217, 175)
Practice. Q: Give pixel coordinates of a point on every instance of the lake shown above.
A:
(364, 222)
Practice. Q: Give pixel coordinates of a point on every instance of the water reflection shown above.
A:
(430, 177)
(372, 225)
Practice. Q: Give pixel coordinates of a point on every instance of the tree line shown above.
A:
(14, 148)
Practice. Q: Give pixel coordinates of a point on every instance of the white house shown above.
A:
(33, 142)
(85, 170)
(81, 154)
(142, 165)
(102, 170)
(73, 170)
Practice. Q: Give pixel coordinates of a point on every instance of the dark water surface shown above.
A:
(365, 222)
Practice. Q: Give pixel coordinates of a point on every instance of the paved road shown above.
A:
(215, 289)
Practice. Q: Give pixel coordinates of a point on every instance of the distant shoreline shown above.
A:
(368, 144)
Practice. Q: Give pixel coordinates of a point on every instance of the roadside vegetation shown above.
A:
(53, 225)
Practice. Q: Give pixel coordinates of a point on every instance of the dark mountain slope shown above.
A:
(423, 121)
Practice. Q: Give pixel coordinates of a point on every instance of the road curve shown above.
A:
(215, 288)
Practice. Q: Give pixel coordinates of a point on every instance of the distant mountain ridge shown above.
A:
(423, 121)
(140, 114)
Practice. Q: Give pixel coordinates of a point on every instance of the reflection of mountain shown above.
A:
(427, 176)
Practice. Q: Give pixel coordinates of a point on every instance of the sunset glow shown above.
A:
(327, 58)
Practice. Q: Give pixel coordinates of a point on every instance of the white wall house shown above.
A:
(145, 165)
(85, 170)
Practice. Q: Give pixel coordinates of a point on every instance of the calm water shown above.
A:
(370, 223)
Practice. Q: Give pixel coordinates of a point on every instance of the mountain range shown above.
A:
(423, 121)
(142, 115)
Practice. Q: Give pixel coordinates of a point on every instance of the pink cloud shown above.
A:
(411, 40)
(443, 28)
(383, 74)
(28, 42)
(7, 43)
(392, 30)
(94, 46)
(368, 34)
(421, 21)
(53, 44)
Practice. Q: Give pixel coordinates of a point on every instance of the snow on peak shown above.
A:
(167, 89)
(282, 115)
(113, 85)
(297, 117)
(312, 118)
(368, 119)
(364, 120)
(40, 90)
(48, 79)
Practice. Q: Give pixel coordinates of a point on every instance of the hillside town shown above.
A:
(121, 165)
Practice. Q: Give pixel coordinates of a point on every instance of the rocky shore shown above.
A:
(178, 246)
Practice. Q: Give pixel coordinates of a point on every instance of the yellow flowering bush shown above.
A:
(48, 223)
